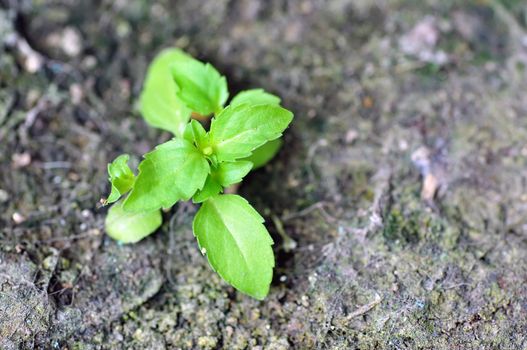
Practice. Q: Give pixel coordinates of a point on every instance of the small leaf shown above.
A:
(211, 188)
(159, 103)
(174, 171)
(238, 130)
(230, 173)
(226, 174)
(127, 227)
(121, 177)
(195, 133)
(201, 87)
(263, 154)
(255, 97)
(237, 244)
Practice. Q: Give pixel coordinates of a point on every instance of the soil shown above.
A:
(402, 180)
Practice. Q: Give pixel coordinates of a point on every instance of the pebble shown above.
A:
(423, 36)
(403, 145)
(421, 159)
(367, 102)
(4, 196)
(89, 62)
(76, 93)
(207, 342)
(18, 218)
(94, 232)
(69, 41)
(31, 60)
(21, 160)
(138, 334)
(421, 41)
(351, 135)
(430, 184)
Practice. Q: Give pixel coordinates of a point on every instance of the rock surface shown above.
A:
(402, 180)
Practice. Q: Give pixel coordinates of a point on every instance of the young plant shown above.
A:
(198, 164)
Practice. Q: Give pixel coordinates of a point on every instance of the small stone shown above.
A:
(32, 63)
(4, 196)
(94, 232)
(421, 159)
(71, 42)
(421, 41)
(68, 40)
(138, 335)
(18, 218)
(74, 176)
(403, 145)
(255, 314)
(76, 93)
(423, 36)
(207, 342)
(430, 184)
(351, 135)
(230, 331)
(21, 160)
(89, 62)
(32, 98)
(367, 102)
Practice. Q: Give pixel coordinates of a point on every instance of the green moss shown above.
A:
(402, 230)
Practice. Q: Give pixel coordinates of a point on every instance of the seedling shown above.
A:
(198, 164)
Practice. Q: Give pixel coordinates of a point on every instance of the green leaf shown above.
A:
(211, 188)
(238, 130)
(255, 97)
(195, 133)
(174, 171)
(121, 177)
(263, 154)
(232, 235)
(201, 87)
(127, 227)
(226, 174)
(229, 173)
(159, 103)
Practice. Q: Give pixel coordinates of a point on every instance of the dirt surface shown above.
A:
(403, 179)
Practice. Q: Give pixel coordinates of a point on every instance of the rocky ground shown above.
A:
(403, 179)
